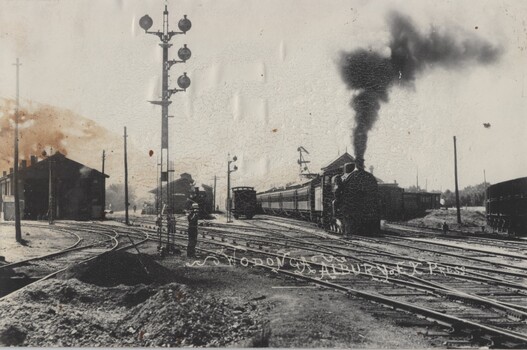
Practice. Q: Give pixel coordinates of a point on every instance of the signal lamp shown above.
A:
(184, 24)
(146, 22)
(184, 53)
(183, 81)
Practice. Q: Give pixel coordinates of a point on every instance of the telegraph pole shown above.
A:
(417, 180)
(158, 190)
(229, 171)
(485, 190)
(457, 188)
(51, 194)
(103, 159)
(214, 196)
(103, 187)
(126, 180)
(18, 229)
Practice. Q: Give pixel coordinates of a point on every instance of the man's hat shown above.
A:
(195, 206)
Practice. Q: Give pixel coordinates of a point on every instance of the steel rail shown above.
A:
(440, 317)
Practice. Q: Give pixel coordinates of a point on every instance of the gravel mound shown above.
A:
(63, 313)
(177, 316)
(115, 268)
(435, 218)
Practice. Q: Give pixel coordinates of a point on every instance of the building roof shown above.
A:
(339, 162)
(55, 157)
(184, 180)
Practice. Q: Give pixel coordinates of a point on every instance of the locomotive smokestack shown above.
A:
(359, 162)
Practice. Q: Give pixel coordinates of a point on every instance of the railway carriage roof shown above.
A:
(286, 188)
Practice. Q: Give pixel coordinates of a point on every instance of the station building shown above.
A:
(184, 191)
(78, 192)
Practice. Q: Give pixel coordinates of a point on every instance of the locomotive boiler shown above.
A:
(356, 203)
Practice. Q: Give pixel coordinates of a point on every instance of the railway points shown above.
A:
(465, 295)
(262, 239)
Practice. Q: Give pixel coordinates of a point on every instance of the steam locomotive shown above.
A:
(331, 199)
(345, 201)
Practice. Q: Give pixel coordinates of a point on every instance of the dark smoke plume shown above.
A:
(411, 52)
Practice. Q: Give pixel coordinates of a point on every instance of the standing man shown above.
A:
(193, 230)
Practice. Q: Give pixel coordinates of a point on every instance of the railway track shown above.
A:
(469, 318)
(490, 320)
(91, 243)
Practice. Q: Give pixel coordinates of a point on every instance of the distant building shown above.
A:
(183, 192)
(337, 164)
(79, 190)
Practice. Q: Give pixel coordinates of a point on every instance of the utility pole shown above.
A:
(126, 179)
(51, 194)
(214, 196)
(18, 229)
(158, 190)
(229, 171)
(103, 159)
(457, 188)
(103, 188)
(417, 180)
(485, 191)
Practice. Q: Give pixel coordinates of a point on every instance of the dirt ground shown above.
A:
(300, 314)
(211, 305)
(471, 220)
(37, 241)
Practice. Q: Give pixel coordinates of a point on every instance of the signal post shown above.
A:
(183, 82)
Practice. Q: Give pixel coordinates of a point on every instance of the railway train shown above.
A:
(506, 206)
(243, 202)
(364, 200)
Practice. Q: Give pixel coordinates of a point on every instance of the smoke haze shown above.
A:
(44, 129)
(372, 74)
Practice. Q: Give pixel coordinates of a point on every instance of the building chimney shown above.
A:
(10, 170)
(4, 173)
(24, 163)
(34, 160)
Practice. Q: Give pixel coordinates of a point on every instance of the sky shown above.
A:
(266, 80)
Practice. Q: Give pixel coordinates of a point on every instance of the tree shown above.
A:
(468, 196)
